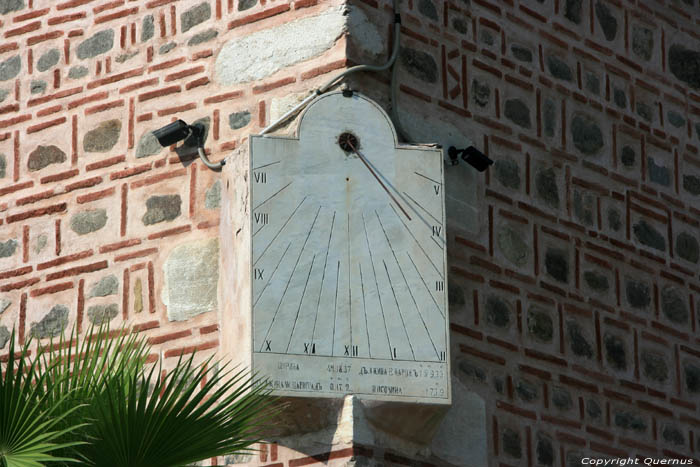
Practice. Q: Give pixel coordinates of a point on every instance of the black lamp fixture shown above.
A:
(471, 156)
(179, 130)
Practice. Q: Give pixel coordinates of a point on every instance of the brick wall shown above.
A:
(574, 287)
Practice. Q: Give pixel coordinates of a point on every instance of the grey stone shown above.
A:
(629, 421)
(587, 136)
(108, 285)
(8, 248)
(161, 208)
(77, 72)
(673, 305)
(212, 198)
(102, 314)
(685, 65)
(593, 409)
(3, 94)
(544, 450)
(455, 294)
(102, 138)
(687, 247)
(48, 59)
(89, 221)
(691, 184)
(472, 371)
(675, 119)
(511, 443)
(559, 69)
(645, 111)
(5, 336)
(540, 325)
(191, 275)
(628, 156)
(615, 352)
(10, 67)
(481, 93)
(649, 236)
(95, 45)
(4, 305)
(546, 186)
(549, 111)
(518, 112)
(419, 64)
(577, 340)
(614, 219)
(584, 207)
(573, 10)
(203, 37)
(619, 98)
(40, 243)
(561, 398)
(124, 57)
(692, 377)
(204, 124)
(593, 83)
(460, 25)
(556, 264)
(148, 145)
(521, 53)
(427, 9)
(147, 28)
(44, 156)
(658, 173)
(497, 312)
(526, 390)
(8, 6)
(238, 120)
(607, 21)
(596, 281)
(486, 37)
(37, 86)
(194, 16)
(3, 166)
(512, 245)
(638, 293)
(642, 42)
(246, 4)
(654, 366)
(165, 48)
(507, 171)
(673, 435)
(52, 324)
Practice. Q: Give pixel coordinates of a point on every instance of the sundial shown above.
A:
(347, 263)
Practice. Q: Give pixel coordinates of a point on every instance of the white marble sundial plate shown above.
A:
(348, 267)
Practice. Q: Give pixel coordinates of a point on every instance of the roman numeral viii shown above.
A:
(261, 218)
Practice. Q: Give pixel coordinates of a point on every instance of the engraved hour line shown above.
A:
(364, 306)
(419, 205)
(272, 275)
(303, 293)
(432, 237)
(275, 194)
(265, 165)
(286, 287)
(349, 284)
(323, 276)
(391, 285)
(335, 308)
(280, 230)
(426, 177)
(426, 285)
(376, 284)
(417, 243)
(408, 287)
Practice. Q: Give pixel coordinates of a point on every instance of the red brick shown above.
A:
(139, 85)
(57, 208)
(44, 37)
(105, 106)
(116, 15)
(135, 254)
(45, 125)
(15, 120)
(105, 163)
(258, 16)
(19, 285)
(223, 97)
(159, 93)
(58, 95)
(52, 289)
(166, 64)
(193, 348)
(265, 87)
(16, 272)
(155, 340)
(86, 183)
(23, 29)
(114, 78)
(196, 83)
(60, 176)
(66, 18)
(184, 73)
(92, 98)
(169, 232)
(119, 245)
(72, 4)
(16, 187)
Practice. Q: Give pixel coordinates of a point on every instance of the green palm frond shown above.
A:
(31, 429)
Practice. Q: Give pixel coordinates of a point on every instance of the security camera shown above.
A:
(173, 132)
(471, 156)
